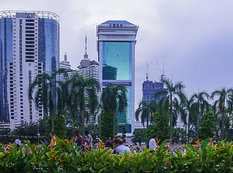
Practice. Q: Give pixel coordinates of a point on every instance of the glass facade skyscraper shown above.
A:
(29, 45)
(150, 88)
(116, 50)
(5, 58)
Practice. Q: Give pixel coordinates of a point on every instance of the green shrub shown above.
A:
(65, 157)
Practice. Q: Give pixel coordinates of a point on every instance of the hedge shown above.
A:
(65, 157)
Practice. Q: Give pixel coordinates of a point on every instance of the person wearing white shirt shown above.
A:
(120, 148)
(152, 143)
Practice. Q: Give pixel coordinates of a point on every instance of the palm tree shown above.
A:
(46, 86)
(171, 97)
(188, 113)
(145, 110)
(93, 103)
(224, 104)
(114, 100)
(63, 96)
(83, 95)
(200, 104)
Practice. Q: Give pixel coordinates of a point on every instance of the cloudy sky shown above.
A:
(192, 38)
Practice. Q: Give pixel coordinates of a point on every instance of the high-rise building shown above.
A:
(65, 64)
(116, 51)
(29, 45)
(149, 88)
(88, 68)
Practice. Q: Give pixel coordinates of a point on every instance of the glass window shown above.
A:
(30, 24)
(117, 60)
(29, 20)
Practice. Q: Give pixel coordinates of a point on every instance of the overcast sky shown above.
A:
(193, 38)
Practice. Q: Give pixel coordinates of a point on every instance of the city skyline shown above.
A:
(192, 38)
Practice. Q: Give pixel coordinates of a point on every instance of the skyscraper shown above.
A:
(116, 51)
(149, 88)
(88, 68)
(29, 45)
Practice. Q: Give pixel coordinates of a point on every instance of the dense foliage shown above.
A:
(65, 157)
(30, 129)
(139, 136)
(106, 125)
(159, 126)
(76, 97)
(208, 126)
(59, 126)
(114, 100)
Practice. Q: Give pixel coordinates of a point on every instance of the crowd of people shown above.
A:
(86, 143)
(116, 144)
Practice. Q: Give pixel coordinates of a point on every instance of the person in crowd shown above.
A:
(78, 140)
(109, 139)
(168, 143)
(88, 140)
(119, 147)
(152, 143)
(53, 139)
(138, 148)
(18, 142)
(108, 143)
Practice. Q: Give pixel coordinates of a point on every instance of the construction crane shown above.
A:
(162, 73)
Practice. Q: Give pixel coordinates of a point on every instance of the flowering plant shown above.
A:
(203, 156)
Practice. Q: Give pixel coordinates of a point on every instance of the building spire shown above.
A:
(65, 57)
(85, 55)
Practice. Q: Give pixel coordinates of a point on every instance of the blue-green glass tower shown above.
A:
(116, 52)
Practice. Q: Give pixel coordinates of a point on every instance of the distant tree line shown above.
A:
(203, 114)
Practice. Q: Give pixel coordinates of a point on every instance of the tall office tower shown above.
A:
(88, 68)
(149, 88)
(29, 45)
(116, 50)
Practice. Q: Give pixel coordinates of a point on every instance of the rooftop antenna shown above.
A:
(85, 55)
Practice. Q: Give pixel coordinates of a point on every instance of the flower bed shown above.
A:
(65, 157)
